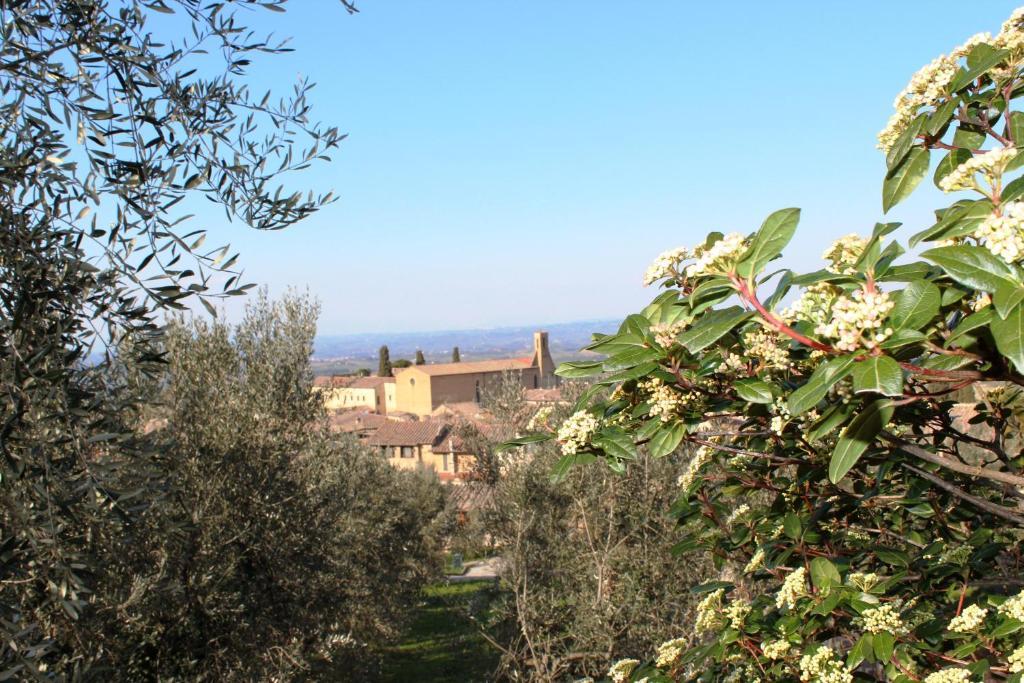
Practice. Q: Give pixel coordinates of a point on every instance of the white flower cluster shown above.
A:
(1003, 234)
(814, 304)
(1014, 607)
(843, 254)
(863, 581)
(776, 649)
(756, 561)
(1016, 660)
(740, 510)
(622, 669)
(732, 362)
(1012, 35)
(885, 618)
(539, 419)
(991, 164)
(709, 612)
(700, 458)
(781, 415)
(665, 333)
(664, 399)
(857, 320)
(771, 348)
(576, 431)
(736, 612)
(793, 588)
(824, 667)
(666, 265)
(927, 87)
(969, 620)
(669, 652)
(719, 258)
(949, 676)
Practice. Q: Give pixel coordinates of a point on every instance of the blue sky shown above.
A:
(521, 163)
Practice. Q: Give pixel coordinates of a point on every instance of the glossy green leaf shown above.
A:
(775, 233)
(1009, 336)
(667, 439)
(878, 374)
(824, 574)
(915, 305)
(574, 369)
(975, 267)
(815, 389)
(754, 391)
(712, 327)
(902, 180)
(857, 436)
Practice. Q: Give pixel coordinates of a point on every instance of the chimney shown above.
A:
(542, 359)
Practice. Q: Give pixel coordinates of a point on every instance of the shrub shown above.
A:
(863, 531)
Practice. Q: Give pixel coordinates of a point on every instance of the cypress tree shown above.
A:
(455, 355)
(420, 360)
(384, 369)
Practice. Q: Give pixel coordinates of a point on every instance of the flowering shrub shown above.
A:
(862, 532)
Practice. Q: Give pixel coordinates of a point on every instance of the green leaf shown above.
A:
(667, 439)
(1009, 336)
(898, 152)
(1016, 129)
(1006, 298)
(916, 305)
(972, 322)
(824, 574)
(982, 58)
(949, 163)
(616, 442)
(775, 233)
(791, 525)
(824, 376)
(883, 646)
(859, 652)
(902, 180)
(754, 391)
(579, 369)
(712, 327)
(523, 441)
(878, 374)
(630, 358)
(857, 436)
(562, 467)
(975, 267)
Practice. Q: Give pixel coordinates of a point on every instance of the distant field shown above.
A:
(348, 353)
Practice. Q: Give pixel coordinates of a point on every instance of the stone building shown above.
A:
(422, 389)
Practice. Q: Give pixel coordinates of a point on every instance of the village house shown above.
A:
(426, 445)
(345, 393)
(422, 389)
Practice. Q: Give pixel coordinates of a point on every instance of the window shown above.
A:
(407, 452)
(535, 381)
(444, 462)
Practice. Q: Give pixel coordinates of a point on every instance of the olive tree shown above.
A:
(863, 531)
(116, 118)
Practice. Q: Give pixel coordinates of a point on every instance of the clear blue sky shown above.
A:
(522, 162)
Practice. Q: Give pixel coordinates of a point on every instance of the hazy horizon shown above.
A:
(508, 164)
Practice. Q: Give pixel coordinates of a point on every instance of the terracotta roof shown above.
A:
(356, 421)
(408, 433)
(332, 381)
(370, 382)
(468, 367)
(543, 395)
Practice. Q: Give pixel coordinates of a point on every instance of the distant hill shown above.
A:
(347, 353)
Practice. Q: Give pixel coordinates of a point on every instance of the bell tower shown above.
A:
(542, 360)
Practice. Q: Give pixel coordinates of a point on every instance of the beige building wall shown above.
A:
(390, 397)
(345, 398)
(412, 392)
